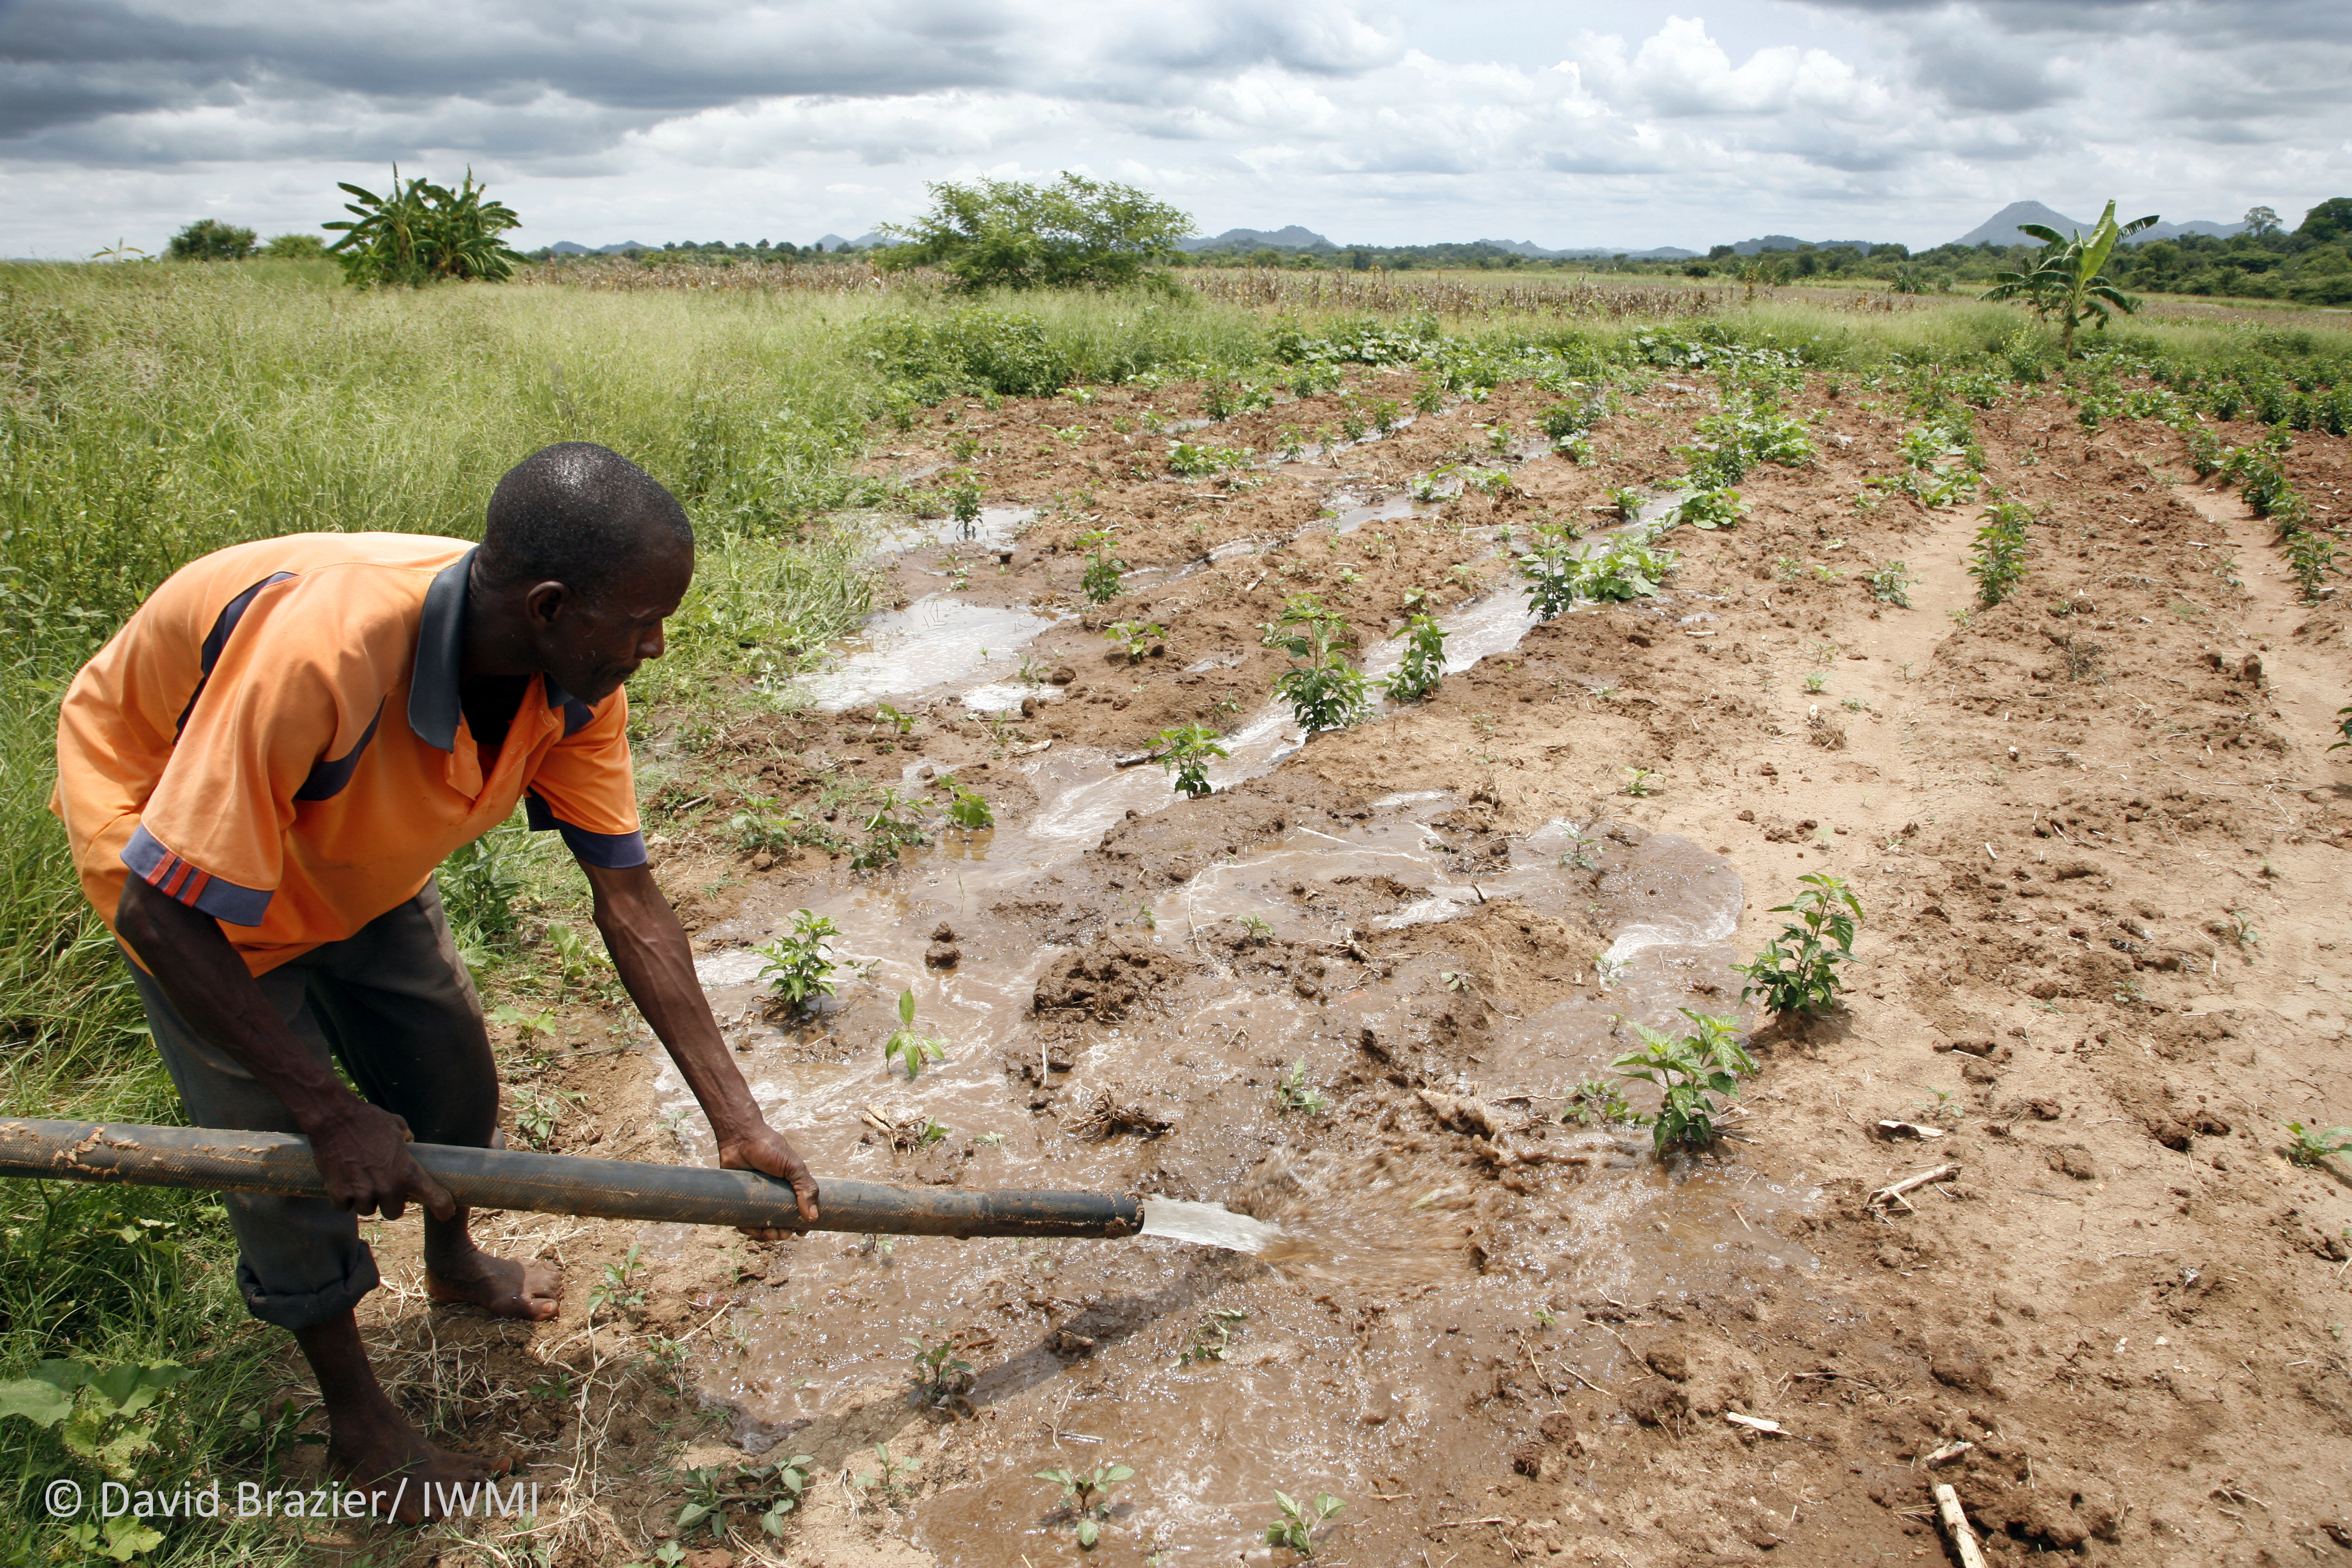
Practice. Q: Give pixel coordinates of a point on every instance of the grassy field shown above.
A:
(150, 414)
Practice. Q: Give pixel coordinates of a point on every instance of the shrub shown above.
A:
(294, 247)
(1009, 234)
(209, 239)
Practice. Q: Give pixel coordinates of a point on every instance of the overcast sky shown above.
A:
(1630, 123)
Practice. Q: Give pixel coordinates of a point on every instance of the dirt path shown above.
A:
(2102, 862)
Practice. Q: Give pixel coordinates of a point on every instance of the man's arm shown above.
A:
(362, 1150)
(657, 963)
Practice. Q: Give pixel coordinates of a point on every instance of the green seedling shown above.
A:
(1326, 692)
(1296, 1527)
(1689, 1070)
(1292, 1093)
(1816, 681)
(1456, 980)
(1595, 1102)
(538, 1112)
(894, 1477)
(1134, 638)
(909, 1048)
(1256, 929)
(2242, 931)
(2310, 1146)
(1099, 582)
(619, 1289)
(1796, 972)
(1185, 753)
(1212, 1337)
(1423, 664)
(1584, 854)
(968, 809)
(1890, 584)
(767, 1492)
(887, 832)
(2343, 728)
(2000, 561)
(900, 723)
(797, 970)
(527, 1026)
(1710, 510)
(940, 1377)
(1637, 780)
(1626, 499)
(1085, 1496)
(1146, 918)
(1199, 462)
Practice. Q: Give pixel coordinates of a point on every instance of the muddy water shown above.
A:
(1343, 1315)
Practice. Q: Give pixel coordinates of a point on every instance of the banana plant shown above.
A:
(2066, 283)
(419, 231)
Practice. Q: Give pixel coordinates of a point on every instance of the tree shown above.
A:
(294, 247)
(2066, 283)
(209, 239)
(2261, 222)
(2331, 219)
(420, 232)
(1006, 234)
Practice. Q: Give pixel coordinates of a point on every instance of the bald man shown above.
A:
(258, 775)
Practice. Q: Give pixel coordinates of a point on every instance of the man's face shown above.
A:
(590, 644)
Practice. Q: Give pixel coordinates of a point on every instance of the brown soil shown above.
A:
(1502, 1338)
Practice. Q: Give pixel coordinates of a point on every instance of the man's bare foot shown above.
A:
(499, 1286)
(375, 1450)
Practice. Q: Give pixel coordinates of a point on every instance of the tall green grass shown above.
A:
(149, 413)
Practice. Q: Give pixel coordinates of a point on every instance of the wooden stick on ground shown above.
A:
(1894, 1194)
(1956, 1524)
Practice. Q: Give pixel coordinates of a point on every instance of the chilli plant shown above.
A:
(797, 969)
(1100, 579)
(1085, 1496)
(1796, 970)
(1690, 1070)
(1325, 693)
(1423, 664)
(1185, 752)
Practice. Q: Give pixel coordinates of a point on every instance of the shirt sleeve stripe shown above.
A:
(606, 851)
(159, 869)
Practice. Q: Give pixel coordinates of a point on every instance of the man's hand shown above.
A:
(765, 1150)
(363, 1151)
(657, 963)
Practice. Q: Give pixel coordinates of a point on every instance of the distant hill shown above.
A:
(1784, 242)
(2002, 227)
(1289, 238)
(1587, 252)
(572, 247)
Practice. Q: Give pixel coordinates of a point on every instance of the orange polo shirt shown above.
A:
(276, 739)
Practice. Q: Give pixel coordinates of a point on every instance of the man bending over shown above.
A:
(259, 775)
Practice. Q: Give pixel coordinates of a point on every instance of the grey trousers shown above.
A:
(394, 1006)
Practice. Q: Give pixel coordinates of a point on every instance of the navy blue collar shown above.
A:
(434, 704)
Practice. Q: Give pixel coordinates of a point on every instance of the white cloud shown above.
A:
(652, 118)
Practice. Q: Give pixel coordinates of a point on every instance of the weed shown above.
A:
(1627, 501)
(1423, 664)
(1296, 1527)
(895, 1477)
(619, 1289)
(941, 1375)
(898, 723)
(1584, 854)
(1099, 582)
(2343, 728)
(1890, 584)
(969, 808)
(1637, 781)
(1595, 1102)
(1689, 1070)
(1292, 1093)
(1796, 972)
(1146, 918)
(1816, 681)
(2000, 562)
(1212, 1337)
(887, 832)
(1134, 638)
(767, 1492)
(1256, 929)
(797, 969)
(910, 1050)
(1185, 752)
(538, 1112)
(2310, 1146)
(1085, 1496)
(1327, 692)
(2242, 931)
(1710, 510)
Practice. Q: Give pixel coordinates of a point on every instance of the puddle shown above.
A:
(997, 527)
(936, 641)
